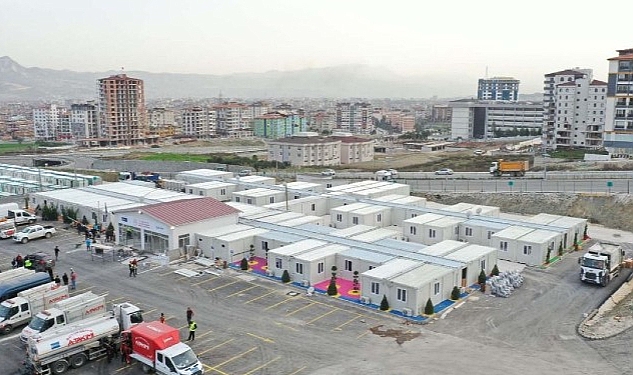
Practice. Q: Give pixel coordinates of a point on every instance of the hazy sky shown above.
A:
(524, 40)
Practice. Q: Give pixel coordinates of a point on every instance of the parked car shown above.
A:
(328, 172)
(444, 172)
(41, 262)
(244, 172)
(479, 152)
(394, 173)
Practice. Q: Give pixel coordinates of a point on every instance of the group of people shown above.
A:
(133, 266)
(18, 262)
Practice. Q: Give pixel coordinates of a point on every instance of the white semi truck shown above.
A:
(602, 262)
(64, 312)
(19, 310)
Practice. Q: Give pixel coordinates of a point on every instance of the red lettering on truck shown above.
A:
(57, 299)
(94, 309)
(79, 337)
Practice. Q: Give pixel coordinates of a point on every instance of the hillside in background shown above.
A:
(347, 81)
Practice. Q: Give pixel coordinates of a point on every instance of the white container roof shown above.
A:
(301, 185)
(445, 222)
(413, 247)
(476, 222)
(258, 192)
(80, 197)
(424, 218)
(297, 247)
(352, 231)
(410, 199)
(141, 192)
(210, 185)
(349, 207)
(281, 236)
(300, 220)
(391, 197)
(279, 217)
(254, 179)
(568, 222)
(314, 228)
(242, 234)
(220, 231)
(542, 218)
(321, 252)
(366, 255)
(249, 209)
(423, 275)
(371, 210)
(393, 268)
(376, 234)
(539, 236)
(470, 253)
(442, 248)
(205, 173)
(513, 232)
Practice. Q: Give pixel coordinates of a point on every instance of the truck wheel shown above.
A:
(605, 280)
(25, 240)
(7, 329)
(78, 360)
(59, 367)
(147, 369)
(48, 235)
(31, 221)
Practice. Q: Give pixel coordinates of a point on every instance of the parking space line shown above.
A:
(215, 347)
(279, 303)
(286, 326)
(298, 371)
(262, 366)
(204, 281)
(222, 286)
(346, 323)
(242, 291)
(300, 308)
(236, 357)
(322, 316)
(362, 334)
(270, 341)
(262, 296)
(214, 369)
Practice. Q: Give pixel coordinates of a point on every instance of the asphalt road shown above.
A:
(249, 325)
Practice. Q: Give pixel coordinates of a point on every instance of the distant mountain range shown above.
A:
(346, 81)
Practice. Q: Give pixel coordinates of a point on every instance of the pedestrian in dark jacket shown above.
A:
(58, 281)
(65, 278)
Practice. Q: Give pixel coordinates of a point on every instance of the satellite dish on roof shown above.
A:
(469, 214)
(478, 210)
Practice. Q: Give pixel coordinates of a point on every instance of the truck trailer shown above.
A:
(20, 281)
(158, 348)
(602, 262)
(64, 312)
(70, 346)
(19, 310)
(514, 168)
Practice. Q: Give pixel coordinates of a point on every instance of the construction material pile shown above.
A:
(504, 284)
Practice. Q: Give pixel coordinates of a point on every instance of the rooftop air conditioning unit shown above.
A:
(305, 283)
(407, 312)
(365, 300)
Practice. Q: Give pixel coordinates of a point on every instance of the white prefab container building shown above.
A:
(389, 198)
(573, 227)
(313, 205)
(316, 265)
(397, 244)
(174, 185)
(442, 248)
(445, 228)
(381, 189)
(406, 208)
(237, 245)
(219, 190)
(506, 242)
(377, 235)
(374, 282)
(281, 259)
(254, 179)
(247, 211)
(357, 259)
(351, 231)
(273, 239)
(303, 186)
(376, 216)
(278, 217)
(203, 239)
(410, 291)
(474, 209)
(259, 196)
(305, 219)
(203, 175)
(533, 246)
(476, 258)
(413, 228)
(341, 217)
(478, 231)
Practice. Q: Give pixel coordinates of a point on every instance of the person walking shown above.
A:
(73, 279)
(56, 252)
(57, 280)
(50, 273)
(162, 318)
(88, 243)
(131, 268)
(65, 278)
(28, 263)
(192, 331)
(19, 261)
(189, 315)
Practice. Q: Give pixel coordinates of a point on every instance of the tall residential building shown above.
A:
(573, 110)
(51, 123)
(195, 122)
(354, 118)
(274, 125)
(498, 88)
(233, 120)
(618, 137)
(122, 114)
(84, 121)
(484, 119)
(162, 122)
(305, 149)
